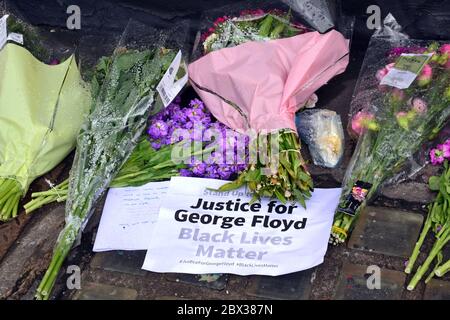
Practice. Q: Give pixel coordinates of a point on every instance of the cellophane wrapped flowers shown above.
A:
(250, 25)
(392, 123)
(255, 86)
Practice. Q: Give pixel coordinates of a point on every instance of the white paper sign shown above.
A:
(232, 236)
(405, 70)
(3, 31)
(168, 88)
(129, 216)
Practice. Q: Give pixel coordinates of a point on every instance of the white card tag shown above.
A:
(405, 70)
(3, 31)
(16, 37)
(168, 88)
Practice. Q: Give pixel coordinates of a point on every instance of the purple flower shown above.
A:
(211, 172)
(158, 129)
(179, 116)
(155, 145)
(185, 173)
(224, 171)
(198, 168)
(197, 104)
(194, 114)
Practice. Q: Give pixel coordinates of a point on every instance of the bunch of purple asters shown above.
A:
(198, 121)
(441, 153)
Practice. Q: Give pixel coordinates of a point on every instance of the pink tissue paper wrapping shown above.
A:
(269, 81)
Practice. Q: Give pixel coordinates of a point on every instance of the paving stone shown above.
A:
(293, 286)
(386, 231)
(129, 262)
(414, 192)
(216, 281)
(437, 290)
(29, 256)
(99, 291)
(352, 284)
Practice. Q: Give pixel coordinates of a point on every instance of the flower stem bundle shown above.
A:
(438, 221)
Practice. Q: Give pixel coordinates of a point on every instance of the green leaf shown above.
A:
(300, 198)
(434, 183)
(280, 196)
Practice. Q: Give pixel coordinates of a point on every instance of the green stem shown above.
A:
(416, 251)
(437, 247)
(443, 269)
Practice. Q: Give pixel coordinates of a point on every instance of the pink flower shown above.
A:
(384, 71)
(419, 105)
(220, 20)
(445, 49)
(436, 156)
(360, 121)
(445, 147)
(425, 76)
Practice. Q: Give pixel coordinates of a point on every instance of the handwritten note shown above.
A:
(129, 216)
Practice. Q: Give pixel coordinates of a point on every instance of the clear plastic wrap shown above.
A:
(393, 124)
(306, 18)
(322, 131)
(124, 95)
(316, 12)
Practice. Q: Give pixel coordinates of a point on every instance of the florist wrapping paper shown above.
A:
(42, 108)
(269, 80)
(203, 231)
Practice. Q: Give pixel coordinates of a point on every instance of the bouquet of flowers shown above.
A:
(410, 104)
(438, 220)
(250, 25)
(42, 108)
(255, 87)
(117, 120)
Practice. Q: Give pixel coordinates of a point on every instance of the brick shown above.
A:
(352, 284)
(386, 231)
(99, 291)
(293, 286)
(413, 192)
(212, 281)
(437, 290)
(128, 262)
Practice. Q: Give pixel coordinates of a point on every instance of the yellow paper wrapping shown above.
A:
(41, 110)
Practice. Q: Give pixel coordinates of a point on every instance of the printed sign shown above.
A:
(204, 231)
